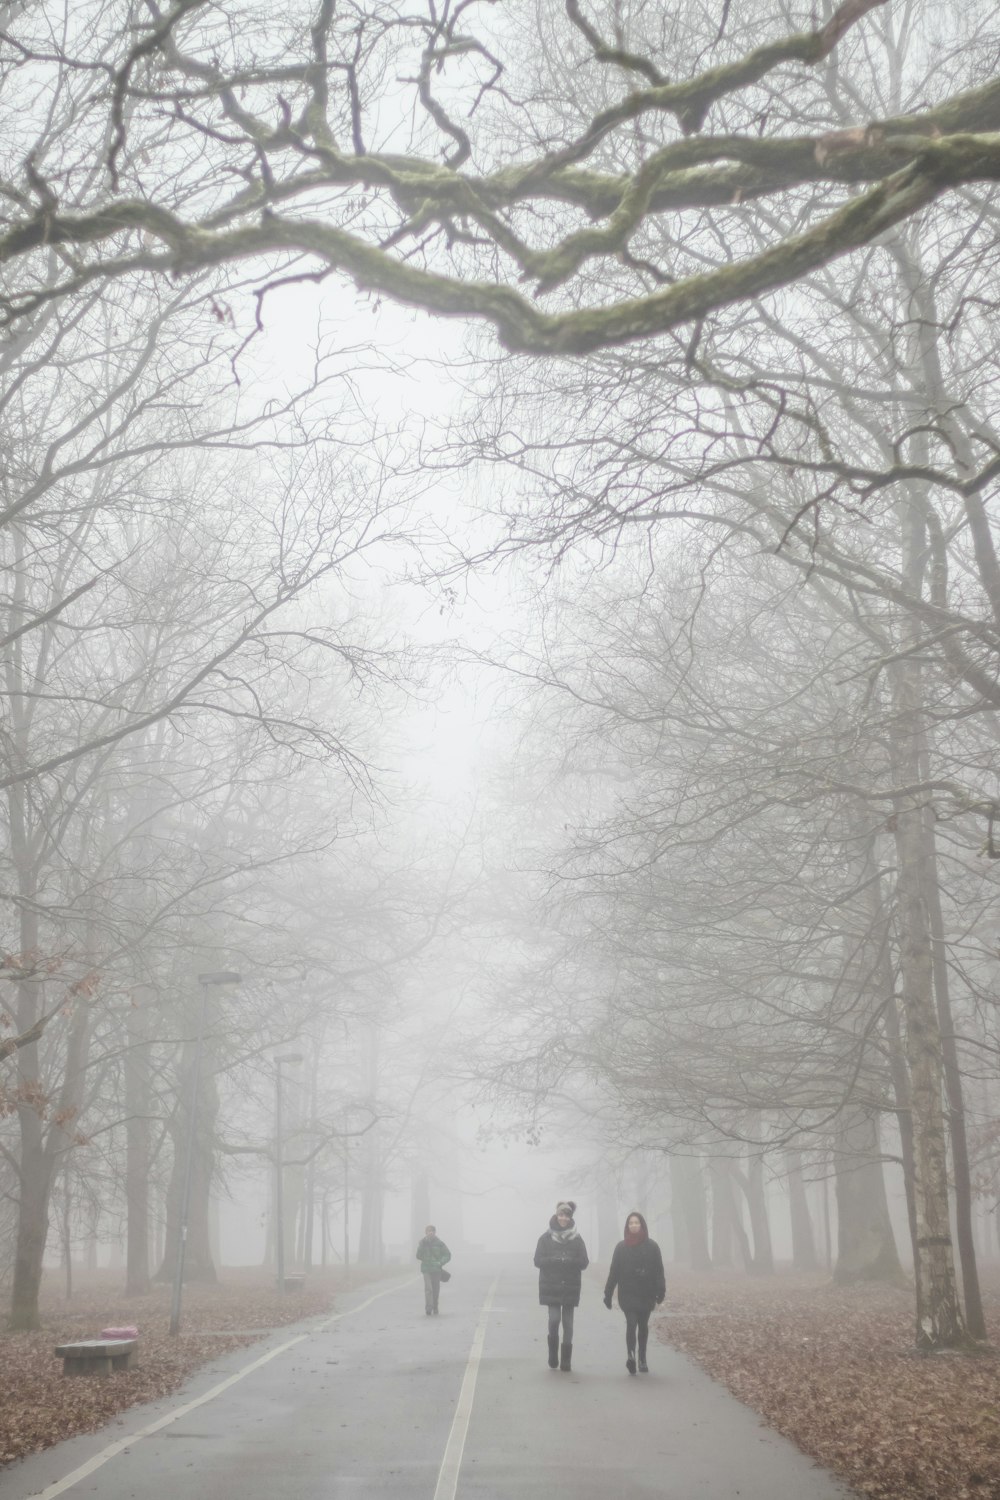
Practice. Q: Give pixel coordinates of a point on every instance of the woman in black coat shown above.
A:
(561, 1258)
(637, 1272)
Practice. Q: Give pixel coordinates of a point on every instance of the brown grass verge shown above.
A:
(833, 1369)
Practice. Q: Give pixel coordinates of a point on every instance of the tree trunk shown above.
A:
(198, 1262)
(729, 1174)
(678, 1223)
(32, 1223)
(723, 1212)
(67, 1237)
(370, 1231)
(760, 1226)
(137, 1109)
(309, 1213)
(803, 1241)
(689, 1185)
(308, 1218)
(898, 1071)
(370, 1247)
(34, 1167)
(866, 1247)
(420, 1205)
(939, 1321)
(43, 1153)
(961, 1171)
(758, 1261)
(90, 1243)
(609, 1231)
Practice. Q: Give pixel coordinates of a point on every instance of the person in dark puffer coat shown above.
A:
(637, 1272)
(561, 1258)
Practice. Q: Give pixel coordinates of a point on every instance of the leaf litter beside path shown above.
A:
(833, 1368)
(40, 1406)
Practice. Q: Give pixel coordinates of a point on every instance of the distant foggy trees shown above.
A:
(161, 682)
(747, 877)
(726, 953)
(773, 666)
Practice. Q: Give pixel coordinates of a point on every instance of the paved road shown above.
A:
(385, 1403)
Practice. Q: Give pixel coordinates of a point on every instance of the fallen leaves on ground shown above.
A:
(40, 1406)
(833, 1368)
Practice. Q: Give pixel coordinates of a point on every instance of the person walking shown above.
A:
(561, 1258)
(637, 1272)
(433, 1255)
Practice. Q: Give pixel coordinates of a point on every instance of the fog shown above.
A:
(481, 730)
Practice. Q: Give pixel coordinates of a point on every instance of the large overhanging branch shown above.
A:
(299, 190)
(941, 166)
(690, 100)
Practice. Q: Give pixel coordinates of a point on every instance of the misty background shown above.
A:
(564, 758)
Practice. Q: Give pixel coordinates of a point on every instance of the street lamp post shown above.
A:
(279, 1178)
(218, 976)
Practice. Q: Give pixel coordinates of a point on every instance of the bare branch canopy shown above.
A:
(418, 150)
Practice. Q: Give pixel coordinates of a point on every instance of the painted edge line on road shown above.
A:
(397, 1286)
(111, 1451)
(451, 1464)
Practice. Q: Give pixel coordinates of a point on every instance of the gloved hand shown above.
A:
(607, 1303)
(658, 1301)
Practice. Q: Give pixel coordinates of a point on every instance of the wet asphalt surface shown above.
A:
(365, 1406)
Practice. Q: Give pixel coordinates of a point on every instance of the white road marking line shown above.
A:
(447, 1484)
(397, 1286)
(100, 1459)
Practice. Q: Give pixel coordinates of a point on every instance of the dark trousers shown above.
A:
(432, 1286)
(566, 1313)
(637, 1323)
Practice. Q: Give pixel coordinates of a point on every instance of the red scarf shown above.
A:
(636, 1239)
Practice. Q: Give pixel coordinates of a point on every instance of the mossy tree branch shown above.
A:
(274, 126)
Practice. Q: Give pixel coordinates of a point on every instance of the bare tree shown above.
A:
(214, 134)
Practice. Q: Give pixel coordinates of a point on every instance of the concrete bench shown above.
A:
(96, 1356)
(295, 1281)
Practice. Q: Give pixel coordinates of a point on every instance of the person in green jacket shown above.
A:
(433, 1255)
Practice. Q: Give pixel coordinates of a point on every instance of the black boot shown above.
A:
(643, 1367)
(567, 1350)
(553, 1351)
(630, 1362)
